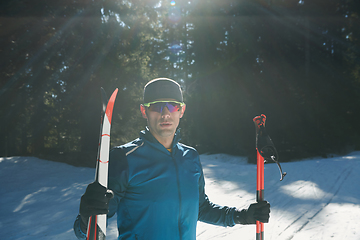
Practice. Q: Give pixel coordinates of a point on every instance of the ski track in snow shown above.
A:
(308, 214)
(318, 199)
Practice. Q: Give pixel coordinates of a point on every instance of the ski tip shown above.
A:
(113, 95)
(110, 105)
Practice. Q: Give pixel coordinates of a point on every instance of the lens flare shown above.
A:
(176, 52)
(174, 14)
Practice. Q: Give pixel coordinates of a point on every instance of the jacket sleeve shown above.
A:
(77, 230)
(213, 213)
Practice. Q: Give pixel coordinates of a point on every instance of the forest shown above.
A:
(296, 61)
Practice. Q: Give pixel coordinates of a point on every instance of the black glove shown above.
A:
(95, 201)
(256, 212)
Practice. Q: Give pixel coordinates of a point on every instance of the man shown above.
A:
(157, 182)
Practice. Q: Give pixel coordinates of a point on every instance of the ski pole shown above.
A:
(259, 120)
(260, 193)
(265, 151)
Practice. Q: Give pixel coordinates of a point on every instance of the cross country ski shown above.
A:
(97, 224)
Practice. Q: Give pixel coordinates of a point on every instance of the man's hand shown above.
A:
(95, 201)
(256, 212)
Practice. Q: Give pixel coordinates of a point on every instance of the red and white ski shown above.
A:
(97, 224)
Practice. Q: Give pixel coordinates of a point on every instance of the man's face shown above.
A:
(162, 125)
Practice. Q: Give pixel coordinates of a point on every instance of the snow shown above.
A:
(318, 199)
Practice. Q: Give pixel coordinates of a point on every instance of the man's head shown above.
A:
(163, 107)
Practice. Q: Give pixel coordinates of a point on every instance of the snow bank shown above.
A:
(318, 199)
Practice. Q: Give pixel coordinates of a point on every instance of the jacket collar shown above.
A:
(147, 135)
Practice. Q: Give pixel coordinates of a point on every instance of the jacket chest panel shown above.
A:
(162, 178)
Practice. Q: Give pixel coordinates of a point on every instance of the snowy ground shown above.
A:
(318, 199)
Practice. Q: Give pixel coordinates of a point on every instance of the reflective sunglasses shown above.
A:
(158, 106)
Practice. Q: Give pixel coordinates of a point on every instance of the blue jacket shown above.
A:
(160, 194)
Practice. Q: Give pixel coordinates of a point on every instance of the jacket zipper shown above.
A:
(179, 193)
